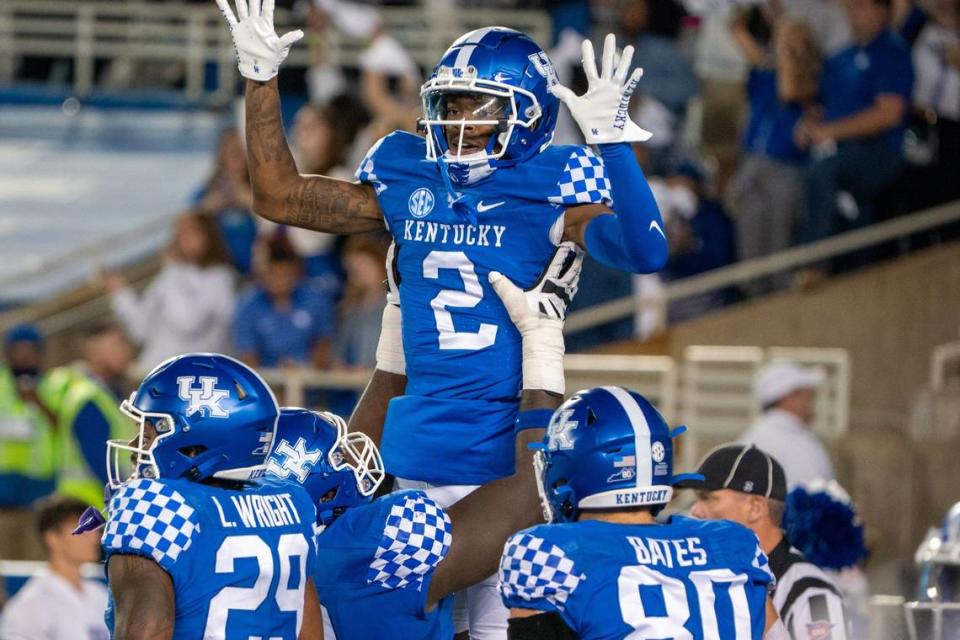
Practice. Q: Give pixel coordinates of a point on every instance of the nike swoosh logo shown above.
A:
(486, 207)
(656, 225)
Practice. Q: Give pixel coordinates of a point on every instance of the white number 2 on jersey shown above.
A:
(471, 296)
(291, 545)
(677, 611)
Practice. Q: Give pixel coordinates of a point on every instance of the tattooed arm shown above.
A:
(281, 194)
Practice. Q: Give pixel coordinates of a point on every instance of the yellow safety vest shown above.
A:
(69, 390)
(26, 436)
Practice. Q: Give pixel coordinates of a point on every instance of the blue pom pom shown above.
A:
(826, 530)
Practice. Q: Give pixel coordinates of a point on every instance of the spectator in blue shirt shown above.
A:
(668, 82)
(701, 238)
(364, 295)
(667, 73)
(767, 190)
(227, 196)
(856, 144)
(287, 319)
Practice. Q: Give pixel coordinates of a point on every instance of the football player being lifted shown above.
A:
(482, 191)
(388, 568)
(197, 543)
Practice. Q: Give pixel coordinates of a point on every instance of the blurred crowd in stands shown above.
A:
(776, 123)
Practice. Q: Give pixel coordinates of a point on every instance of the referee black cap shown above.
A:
(742, 468)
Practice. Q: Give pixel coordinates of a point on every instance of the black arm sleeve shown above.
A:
(543, 626)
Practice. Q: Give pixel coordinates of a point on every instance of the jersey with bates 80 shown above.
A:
(462, 352)
(686, 579)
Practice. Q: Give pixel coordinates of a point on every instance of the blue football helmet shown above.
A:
(939, 560)
(605, 448)
(508, 76)
(936, 613)
(212, 416)
(338, 469)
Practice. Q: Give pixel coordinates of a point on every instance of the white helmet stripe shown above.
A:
(641, 434)
(463, 56)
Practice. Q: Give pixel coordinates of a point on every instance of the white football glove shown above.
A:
(538, 314)
(259, 50)
(390, 357)
(603, 112)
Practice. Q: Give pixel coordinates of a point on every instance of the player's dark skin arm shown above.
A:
(312, 627)
(143, 599)
(281, 194)
(484, 520)
(371, 412)
(576, 219)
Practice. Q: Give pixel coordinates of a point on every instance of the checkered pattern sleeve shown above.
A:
(416, 537)
(761, 568)
(535, 574)
(367, 171)
(583, 181)
(149, 518)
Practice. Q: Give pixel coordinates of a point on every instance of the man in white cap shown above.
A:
(786, 392)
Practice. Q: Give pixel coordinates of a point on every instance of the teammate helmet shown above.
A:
(338, 469)
(508, 76)
(212, 416)
(605, 448)
(939, 560)
(936, 614)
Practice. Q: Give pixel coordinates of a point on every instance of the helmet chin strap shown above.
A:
(459, 202)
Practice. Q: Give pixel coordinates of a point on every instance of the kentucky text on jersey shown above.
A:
(643, 497)
(484, 235)
(687, 552)
(255, 511)
(463, 354)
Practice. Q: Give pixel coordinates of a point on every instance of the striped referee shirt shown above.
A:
(808, 602)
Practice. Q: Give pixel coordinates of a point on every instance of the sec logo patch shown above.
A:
(657, 452)
(421, 203)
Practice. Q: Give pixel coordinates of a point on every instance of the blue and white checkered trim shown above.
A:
(761, 562)
(532, 569)
(415, 539)
(366, 171)
(583, 181)
(150, 518)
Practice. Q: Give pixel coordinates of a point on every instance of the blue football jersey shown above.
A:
(686, 580)
(374, 566)
(463, 354)
(238, 559)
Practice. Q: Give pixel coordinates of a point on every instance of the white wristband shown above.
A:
(390, 356)
(543, 350)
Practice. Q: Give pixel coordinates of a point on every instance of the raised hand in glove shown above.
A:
(259, 49)
(603, 112)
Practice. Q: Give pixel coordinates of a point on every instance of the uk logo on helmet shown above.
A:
(298, 461)
(559, 431)
(421, 203)
(205, 399)
(541, 63)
